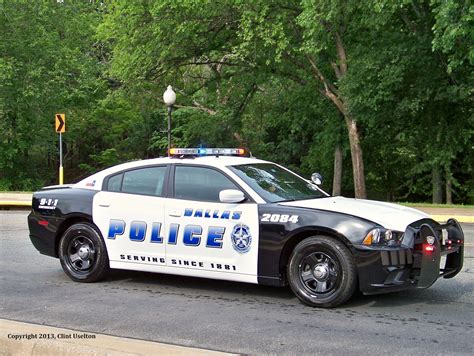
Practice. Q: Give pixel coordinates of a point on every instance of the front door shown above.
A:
(205, 237)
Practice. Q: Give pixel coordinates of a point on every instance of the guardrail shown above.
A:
(15, 200)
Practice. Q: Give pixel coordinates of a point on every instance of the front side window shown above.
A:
(145, 181)
(275, 184)
(199, 183)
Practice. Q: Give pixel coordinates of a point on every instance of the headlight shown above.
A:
(383, 237)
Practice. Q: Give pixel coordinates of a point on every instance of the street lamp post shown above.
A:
(169, 97)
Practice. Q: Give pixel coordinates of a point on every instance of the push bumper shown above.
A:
(428, 251)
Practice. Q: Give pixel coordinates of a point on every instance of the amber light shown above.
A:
(368, 239)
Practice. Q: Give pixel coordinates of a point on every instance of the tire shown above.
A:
(83, 254)
(321, 272)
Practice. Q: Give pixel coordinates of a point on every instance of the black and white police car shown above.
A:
(217, 213)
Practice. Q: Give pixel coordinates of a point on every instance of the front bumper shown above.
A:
(416, 263)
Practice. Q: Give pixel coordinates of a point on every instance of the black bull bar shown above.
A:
(417, 263)
(429, 244)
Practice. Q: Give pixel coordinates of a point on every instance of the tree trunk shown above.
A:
(337, 178)
(437, 185)
(449, 187)
(357, 159)
(331, 92)
(354, 135)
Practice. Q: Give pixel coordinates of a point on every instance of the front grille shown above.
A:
(397, 257)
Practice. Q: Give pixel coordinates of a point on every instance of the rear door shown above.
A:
(204, 236)
(130, 213)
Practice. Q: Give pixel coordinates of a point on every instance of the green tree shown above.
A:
(47, 65)
(306, 83)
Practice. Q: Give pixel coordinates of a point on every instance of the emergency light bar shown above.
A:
(207, 152)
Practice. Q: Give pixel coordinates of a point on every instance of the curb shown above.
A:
(460, 218)
(18, 338)
(14, 203)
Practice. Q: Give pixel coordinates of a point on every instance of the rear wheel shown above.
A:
(321, 272)
(83, 254)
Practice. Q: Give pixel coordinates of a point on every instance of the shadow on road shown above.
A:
(436, 295)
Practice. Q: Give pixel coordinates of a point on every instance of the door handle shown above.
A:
(175, 213)
(104, 205)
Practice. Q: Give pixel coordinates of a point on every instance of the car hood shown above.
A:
(390, 216)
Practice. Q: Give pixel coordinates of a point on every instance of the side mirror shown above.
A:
(317, 178)
(231, 196)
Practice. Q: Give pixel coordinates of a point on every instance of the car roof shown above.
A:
(213, 161)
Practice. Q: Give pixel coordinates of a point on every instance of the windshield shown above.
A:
(275, 184)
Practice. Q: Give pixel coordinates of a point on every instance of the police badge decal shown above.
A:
(241, 238)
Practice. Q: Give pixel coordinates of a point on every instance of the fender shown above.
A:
(51, 211)
(276, 237)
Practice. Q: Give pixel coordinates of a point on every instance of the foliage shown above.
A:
(256, 74)
(45, 67)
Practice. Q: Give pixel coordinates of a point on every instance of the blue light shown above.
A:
(207, 151)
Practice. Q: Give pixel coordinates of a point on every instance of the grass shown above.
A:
(429, 205)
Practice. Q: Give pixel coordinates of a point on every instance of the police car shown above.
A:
(218, 213)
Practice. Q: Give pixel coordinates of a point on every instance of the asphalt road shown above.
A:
(231, 316)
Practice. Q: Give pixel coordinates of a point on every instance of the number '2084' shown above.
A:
(283, 218)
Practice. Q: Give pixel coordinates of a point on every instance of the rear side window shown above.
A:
(145, 181)
(199, 183)
(115, 183)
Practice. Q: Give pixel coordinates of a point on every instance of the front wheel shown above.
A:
(321, 272)
(83, 254)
